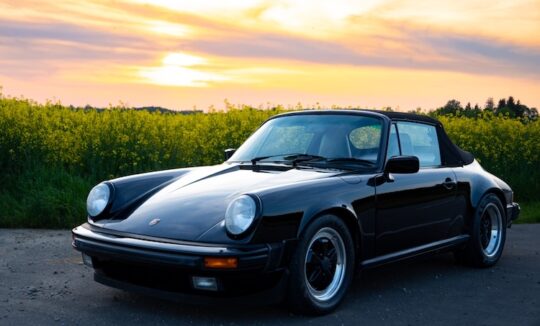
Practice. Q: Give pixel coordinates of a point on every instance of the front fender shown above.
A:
(130, 191)
(288, 211)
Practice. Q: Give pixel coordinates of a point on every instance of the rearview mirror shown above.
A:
(229, 152)
(402, 164)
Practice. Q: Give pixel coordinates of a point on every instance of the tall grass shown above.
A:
(51, 155)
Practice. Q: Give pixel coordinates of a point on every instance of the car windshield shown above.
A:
(315, 138)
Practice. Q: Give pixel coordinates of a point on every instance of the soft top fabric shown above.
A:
(451, 154)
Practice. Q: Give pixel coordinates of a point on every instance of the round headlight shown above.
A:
(97, 200)
(240, 214)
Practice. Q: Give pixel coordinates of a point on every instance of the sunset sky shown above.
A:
(186, 54)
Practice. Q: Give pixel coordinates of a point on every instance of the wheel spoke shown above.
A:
(490, 229)
(323, 275)
(315, 275)
(313, 258)
(332, 255)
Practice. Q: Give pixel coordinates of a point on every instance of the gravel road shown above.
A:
(43, 282)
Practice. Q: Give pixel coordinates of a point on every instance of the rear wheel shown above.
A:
(322, 267)
(488, 234)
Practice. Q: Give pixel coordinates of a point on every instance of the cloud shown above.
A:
(20, 30)
(418, 50)
(374, 38)
(41, 49)
(496, 57)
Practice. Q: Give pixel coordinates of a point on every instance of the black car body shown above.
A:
(350, 190)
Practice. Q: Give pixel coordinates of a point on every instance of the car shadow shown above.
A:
(373, 288)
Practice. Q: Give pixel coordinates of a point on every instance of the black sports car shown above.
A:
(310, 198)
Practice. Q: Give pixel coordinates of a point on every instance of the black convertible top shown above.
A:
(451, 155)
(408, 116)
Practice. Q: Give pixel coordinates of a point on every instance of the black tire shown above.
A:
(324, 239)
(481, 251)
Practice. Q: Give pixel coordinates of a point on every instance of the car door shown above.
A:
(415, 209)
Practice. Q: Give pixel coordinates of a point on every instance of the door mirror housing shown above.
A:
(229, 152)
(402, 164)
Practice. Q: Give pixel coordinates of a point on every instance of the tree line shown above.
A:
(505, 107)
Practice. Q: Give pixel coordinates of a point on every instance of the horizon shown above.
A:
(401, 54)
(239, 106)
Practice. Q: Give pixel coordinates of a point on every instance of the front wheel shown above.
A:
(322, 267)
(488, 234)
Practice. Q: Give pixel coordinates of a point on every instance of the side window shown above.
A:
(393, 146)
(420, 140)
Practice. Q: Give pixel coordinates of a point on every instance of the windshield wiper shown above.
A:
(308, 158)
(305, 158)
(260, 158)
(351, 160)
(294, 158)
(340, 160)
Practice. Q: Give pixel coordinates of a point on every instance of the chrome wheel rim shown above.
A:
(325, 263)
(491, 230)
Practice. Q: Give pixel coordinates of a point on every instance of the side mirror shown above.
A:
(229, 152)
(401, 164)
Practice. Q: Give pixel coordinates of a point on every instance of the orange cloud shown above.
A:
(384, 52)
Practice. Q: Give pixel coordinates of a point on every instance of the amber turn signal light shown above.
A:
(225, 263)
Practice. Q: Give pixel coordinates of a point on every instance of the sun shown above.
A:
(181, 69)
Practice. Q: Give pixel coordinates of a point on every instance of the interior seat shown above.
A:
(334, 145)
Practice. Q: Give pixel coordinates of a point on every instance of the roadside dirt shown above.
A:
(43, 282)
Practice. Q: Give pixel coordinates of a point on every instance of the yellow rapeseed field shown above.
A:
(51, 155)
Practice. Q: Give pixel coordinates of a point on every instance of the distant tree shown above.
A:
(508, 107)
(515, 109)
(522, 111)
(511, 103)
(452, 107)
(502, 104)
(470, 112)
(503, 109)
(490, 105)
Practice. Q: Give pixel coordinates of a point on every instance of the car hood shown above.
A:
(196, 202)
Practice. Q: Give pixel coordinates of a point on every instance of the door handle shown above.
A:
(449, 184)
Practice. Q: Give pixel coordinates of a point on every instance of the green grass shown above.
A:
(44, 197)
(530, 213)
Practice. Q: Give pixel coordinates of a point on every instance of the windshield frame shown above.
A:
(381, 156)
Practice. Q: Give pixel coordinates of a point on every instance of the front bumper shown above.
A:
(512, 212)
(165, 268)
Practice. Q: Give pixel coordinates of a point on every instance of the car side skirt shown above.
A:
(415, 251)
